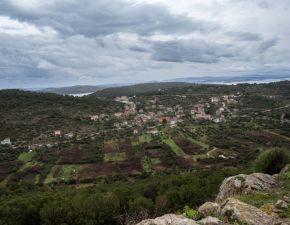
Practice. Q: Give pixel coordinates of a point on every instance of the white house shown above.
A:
(215, 99)
(57, 133)
(69, 136)
(6, 141)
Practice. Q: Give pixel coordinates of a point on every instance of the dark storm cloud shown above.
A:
(197, 51)
(103, 17)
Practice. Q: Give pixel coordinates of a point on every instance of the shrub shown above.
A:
(140, 204)
(272, 161)
(190, 213)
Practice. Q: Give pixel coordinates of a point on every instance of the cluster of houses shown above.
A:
(198, 112)
(220, 103)
(172, 116)
(152, 115)
(58, 133)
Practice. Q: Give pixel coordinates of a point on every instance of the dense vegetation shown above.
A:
(78, 89)
(26, 115)
(272, 161)
(138, 89)
(111, 203)
(107, 175)
(175, 88)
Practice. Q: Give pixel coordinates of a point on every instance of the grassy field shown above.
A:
(145, 138)
(68, 172)
(49, 179)
(155, 161)
(115, 156)
(26, 156)
(173, 146)
(142, 139)
(146, 164)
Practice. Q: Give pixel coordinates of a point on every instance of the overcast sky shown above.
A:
(46, 43)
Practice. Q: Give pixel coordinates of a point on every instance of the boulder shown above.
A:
(285, 169)
(280, 204)
(234, 209)
(169, 219)
(210, 221)
(243, 184)
(286, 199)
(209, 209)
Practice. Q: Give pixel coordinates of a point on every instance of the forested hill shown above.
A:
(24, 112)
(139, 89)
(78, 89)
(281, 88)
(18, 100)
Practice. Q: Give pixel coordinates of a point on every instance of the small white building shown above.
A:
(69, 136)
(173, 123)
(94, 117)
(215, 99)
(6, 141)
(57, 133)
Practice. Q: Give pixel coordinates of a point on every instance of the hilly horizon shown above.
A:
(144, 112)
(88, 89)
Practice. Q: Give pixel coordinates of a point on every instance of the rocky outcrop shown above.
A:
(169, 219)
(243, 184)
(280, 204)
(209, 209)
(286, 199)
(210, 221)
(234, 209)
(231, 210)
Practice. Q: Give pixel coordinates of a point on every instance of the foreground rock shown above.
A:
(234, 209)
(280, 204)
(286, 199)
(210, 221)
(243, 184)
(209, 209)
(169, 219)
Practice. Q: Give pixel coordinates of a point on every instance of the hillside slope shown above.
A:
(139, 89)
(78, 89)
(24, 113)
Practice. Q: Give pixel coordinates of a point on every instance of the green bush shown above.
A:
(141, 205)
(272, 161)
(190, 213)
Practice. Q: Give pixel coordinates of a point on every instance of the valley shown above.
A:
(108, 140)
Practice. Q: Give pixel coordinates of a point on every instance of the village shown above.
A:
(149, 118)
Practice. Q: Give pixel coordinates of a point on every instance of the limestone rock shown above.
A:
(285, 169)
(234, 209)
(210, 221)
(280, 204)
(286, 199)
(243, 184)
(169, 219)
(209, 209)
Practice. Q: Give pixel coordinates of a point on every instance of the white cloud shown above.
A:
(14, 27)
